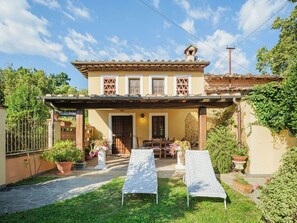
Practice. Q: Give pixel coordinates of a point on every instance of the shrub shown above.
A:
(63, 151)
(278, 199)
(221, 144)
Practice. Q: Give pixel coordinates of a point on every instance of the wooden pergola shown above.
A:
(82, 102)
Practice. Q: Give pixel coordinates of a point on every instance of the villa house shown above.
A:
(132, 101)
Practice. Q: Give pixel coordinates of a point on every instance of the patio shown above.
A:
(165, 167)
(21, 198)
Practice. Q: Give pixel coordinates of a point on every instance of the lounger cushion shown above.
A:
(141, 174)
(200, 177)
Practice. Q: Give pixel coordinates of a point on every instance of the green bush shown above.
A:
(278, 199)
(63, 151)
(221, 144)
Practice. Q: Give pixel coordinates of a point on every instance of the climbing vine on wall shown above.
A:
(275, 104)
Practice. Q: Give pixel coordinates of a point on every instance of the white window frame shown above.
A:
(127, 77)
(183, 76)
(151, 77)
(110, 115)
(108, 76)
(151, 121)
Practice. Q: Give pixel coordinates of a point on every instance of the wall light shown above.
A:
(142, 116)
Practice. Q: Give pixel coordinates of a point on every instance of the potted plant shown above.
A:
(180, 148)
(64, 154)
(240, 154)
(100, 147)
(239, 158)
(242, 185)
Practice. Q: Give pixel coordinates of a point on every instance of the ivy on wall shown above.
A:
(275, 104)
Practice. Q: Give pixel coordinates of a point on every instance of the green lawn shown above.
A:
(104, 205)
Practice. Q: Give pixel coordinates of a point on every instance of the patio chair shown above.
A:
(200, 177)
(141, 175)
(166, 148)
(157, 147)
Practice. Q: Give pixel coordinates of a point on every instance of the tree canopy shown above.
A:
(19, 89)
(279, 57)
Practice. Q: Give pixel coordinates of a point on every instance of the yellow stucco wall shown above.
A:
(94, 81)
(2, 147)
(176, 118)
(265, 149)
(100, 119)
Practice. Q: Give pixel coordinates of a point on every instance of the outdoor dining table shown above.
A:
(163, 144)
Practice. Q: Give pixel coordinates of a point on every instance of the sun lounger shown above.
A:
(200, 177)
(141, 175)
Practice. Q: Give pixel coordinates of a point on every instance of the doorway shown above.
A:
(122, 134)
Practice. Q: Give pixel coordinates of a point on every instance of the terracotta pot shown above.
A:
(239, 158)
(247, 189)
(64, 168)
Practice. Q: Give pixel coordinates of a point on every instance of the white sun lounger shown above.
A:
(141, 175)
(200, 177)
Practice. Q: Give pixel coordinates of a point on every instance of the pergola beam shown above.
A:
(134, 105)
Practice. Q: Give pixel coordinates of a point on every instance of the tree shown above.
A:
(22, 87)
(279, 57)
(60, 84)
(59, 79)
(19, 89)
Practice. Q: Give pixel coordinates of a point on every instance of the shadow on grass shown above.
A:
(104, 205)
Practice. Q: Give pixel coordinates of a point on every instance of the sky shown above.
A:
(49, 34)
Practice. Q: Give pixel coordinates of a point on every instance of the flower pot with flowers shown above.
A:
(100, 147)
(64, 154)
(179, 148)
(239, 158)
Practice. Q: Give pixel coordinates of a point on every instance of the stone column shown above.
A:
(80, 131)
(2, 146)
(202, 127)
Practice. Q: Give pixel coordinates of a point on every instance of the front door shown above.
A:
(122, 134)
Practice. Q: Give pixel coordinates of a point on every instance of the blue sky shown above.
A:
(49, 34)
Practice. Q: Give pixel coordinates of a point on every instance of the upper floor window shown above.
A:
(158, 86)
(182, 86)
(109, 85)
(134, 86)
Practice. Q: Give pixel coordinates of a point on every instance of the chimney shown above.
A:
(190, 52)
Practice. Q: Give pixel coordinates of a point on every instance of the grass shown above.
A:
(31, 181)
(104, 205)
(241, 180)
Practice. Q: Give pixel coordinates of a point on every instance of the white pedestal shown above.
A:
(179, 165)
(101, 160)
(239, 165)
